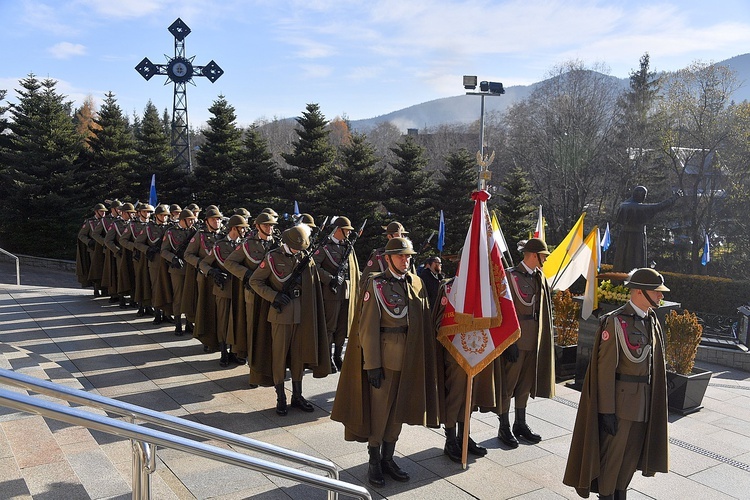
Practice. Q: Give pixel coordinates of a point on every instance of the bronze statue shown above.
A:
(633, 214)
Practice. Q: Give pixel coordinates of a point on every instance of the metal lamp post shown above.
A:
(485, 89)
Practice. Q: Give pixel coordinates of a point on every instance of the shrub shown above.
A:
(683, 336)
(566, 312)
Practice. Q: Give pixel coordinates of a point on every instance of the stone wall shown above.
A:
(30, 260)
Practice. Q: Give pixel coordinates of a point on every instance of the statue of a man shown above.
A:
(632, 251)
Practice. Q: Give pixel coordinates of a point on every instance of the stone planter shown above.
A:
(587, 330)
(565, 362)
(685, 392)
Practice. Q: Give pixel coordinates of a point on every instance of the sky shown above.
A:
(358, 59)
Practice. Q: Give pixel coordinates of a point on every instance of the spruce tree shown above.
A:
(357, 190)
(216, 173)
(516, 214)
(454, 199)
(40, 154)
(310, 163)
(111, 163)
(410, 191)
(258, 173)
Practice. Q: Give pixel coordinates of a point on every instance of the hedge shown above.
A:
(707, 294)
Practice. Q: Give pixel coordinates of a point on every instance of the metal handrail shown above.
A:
(169, 421)
(18, 265)
(110, 425)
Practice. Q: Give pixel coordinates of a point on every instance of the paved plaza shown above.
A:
(50, 328)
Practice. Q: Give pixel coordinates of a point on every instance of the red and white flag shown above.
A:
(480, 320)
(539, 230)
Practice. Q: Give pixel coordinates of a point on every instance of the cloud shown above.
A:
(45, 19)
(123, 9)
(66, 50)
(316, 71)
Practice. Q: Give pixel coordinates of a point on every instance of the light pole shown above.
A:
(485, 89)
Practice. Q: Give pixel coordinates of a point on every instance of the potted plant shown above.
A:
(686, 384)
(565, 322)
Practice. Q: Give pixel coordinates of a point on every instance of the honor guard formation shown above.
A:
(298, 300)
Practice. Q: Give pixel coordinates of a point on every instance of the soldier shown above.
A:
(198, 249)
(140, 247)
(109, 269)
(173, 248)
(242, 263)
(339, 275)
(158, 269)
(288, 279)
(86, 262)
(376, 263)
(174, 213)
(126, 242)
(527, 365)
(389, 374)
(213, 267)
(111, 241)
(621, 423)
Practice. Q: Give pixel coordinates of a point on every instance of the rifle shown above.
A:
(426, 243)
(344, 264)
(319, 231)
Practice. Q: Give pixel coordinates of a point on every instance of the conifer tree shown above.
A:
(410, 190)
(516, 214)
(310, 162)
(40, 154)
(454, 199)
(110, 171)
(357, 190)
(216, 173)
(258, 174)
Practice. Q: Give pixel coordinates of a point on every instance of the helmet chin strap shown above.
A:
(393, 268)
(650, 300)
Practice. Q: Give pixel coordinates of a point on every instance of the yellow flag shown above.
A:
(559, 258)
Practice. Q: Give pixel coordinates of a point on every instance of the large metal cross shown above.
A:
(180, 70)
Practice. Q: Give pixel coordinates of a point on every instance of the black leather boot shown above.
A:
(97, 291)
(504, 434)
(375, 471)
(141, 310)
(113, 299)
(389, 466)
(188, 327)
(337, 360)
(606, 497)
(474, 448)
(621, 494)
(149, 310)
(178, 327)
(280, 400)
(452, 448)
(224, 360)
(123, 302)
(237, 360)
(521, 430)
(298, 401)
(158, 317)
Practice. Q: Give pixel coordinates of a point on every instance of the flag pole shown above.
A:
(467, 420)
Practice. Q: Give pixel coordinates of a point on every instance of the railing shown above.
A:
(18, 265)
(145, 438)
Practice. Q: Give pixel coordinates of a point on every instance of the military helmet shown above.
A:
(115, 203)
(270, 211)
(145, 207)
(307, 219)
(243, 212)
(343, 223)
(187, 214)
(399, 246)
(99, 206)
(193, 207)
(128, 207)
(535, 245)
(646, 278)
(174, 207)
(297, 237)
(395, 227)
(212, 212)
(265, 218)
(161, 210)
(237, 221)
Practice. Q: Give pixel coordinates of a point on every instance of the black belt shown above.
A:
(394, 329)
(641, 379)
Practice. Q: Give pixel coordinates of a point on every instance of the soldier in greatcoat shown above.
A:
(85, 253)
(109, 268)
(111, 241)
(621, 425)
(376, 262)
(173, 247)
(140, 247)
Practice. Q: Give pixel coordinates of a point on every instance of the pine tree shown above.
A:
(216, 173)
(41, 153)
(454, 199)
(410, 190)
(310, 162)
(111, 163)
(258, 173)
(357, 191)
(516, 214)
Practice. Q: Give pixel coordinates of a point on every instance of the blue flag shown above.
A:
(706, 258)
(441, 233)
(296, 208)
(152, 199)
(606, 240)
